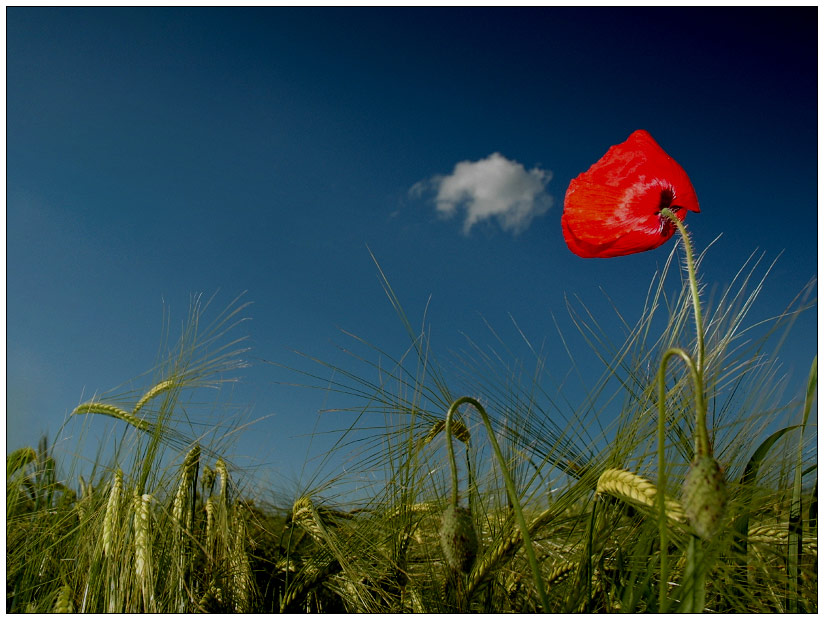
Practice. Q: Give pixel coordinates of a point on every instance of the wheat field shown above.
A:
(485, 495)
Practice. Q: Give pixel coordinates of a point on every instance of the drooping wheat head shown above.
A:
(158, 389)
(633, 488)
(113, 411)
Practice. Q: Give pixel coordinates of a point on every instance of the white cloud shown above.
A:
(492, 187)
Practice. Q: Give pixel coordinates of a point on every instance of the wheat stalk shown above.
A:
(183, 517)
(80, 504)
(405, 510)
(113, 411)
(629, 486)
(210, 520)
(159, 388)
(188, 470)
(484, 565)
(561, 572)
(239, 568)
(459, 431)
(64, 603)
(112, 513)
(306, 516)
(777, 535)
(19, 459)
(143, 553)
(213, 597)
(220, 470)
(316, 574)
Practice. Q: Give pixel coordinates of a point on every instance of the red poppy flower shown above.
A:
(614, 208)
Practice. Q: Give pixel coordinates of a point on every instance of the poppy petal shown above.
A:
(613, 209)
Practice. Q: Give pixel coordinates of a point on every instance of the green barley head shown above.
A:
(64, 603)
(110, 521)
(143, 557)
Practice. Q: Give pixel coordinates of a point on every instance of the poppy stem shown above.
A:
(451, 452)
(702, 443)
(696, 369)
(510, 488)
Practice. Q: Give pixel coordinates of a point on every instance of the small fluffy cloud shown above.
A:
(492, 187)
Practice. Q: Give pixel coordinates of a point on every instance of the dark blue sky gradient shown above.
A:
(157, 153)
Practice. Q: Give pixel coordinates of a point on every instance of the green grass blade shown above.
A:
(795, 534)
(741, 525)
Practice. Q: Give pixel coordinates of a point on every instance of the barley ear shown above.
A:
(561, 572)
(207, 481)
(240, 569)
(210, 519)
(152, 393)
(459, 431)
(143, 552)
(113, 411)
(19, 459)
(64, 603)
(188, 473)
(306, 516)
(220, 470)
(110, 521)
(635, 489)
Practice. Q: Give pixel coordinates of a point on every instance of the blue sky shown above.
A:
(155, 153)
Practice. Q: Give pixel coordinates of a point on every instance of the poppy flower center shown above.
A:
(665, 202)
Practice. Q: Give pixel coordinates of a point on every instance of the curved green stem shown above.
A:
(662, 462)
(451, 452)
(696, 303)
(510, 488)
